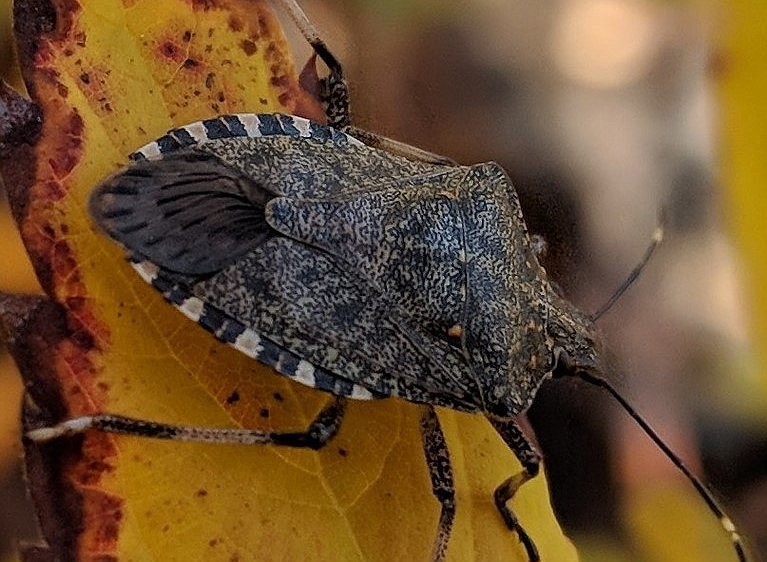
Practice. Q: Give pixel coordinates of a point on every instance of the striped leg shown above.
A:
(316, 436)
(438, 460)
(518, 442)
(335, 93)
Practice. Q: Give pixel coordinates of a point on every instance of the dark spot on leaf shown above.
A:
(235, 23)
(263, 26)
(248, 47)
(281, 81)
(191, 63)
(85, 78)
(209, 79)
(278, 397)
(264, 412)
(343, 452)
(201, 493)
(187, 36)
(203, 5)
(170, 50)
(233, 398)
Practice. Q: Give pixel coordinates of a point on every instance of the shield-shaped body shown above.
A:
(345, 267)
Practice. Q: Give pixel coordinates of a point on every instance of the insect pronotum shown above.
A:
(416, 279)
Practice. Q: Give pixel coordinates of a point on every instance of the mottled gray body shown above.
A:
(405, 278)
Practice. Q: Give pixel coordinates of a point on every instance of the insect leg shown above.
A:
(438, 460)
(336, 95)
(320, 431)
(518, 442)
(335, 89)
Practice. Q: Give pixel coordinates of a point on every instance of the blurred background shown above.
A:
(602, 111)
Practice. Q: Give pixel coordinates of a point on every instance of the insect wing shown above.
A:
(187, 211)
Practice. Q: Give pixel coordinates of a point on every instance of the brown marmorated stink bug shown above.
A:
(356, 265)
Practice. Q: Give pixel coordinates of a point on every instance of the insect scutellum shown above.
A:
(469, 322)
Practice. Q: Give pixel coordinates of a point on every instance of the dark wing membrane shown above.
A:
(187, 212)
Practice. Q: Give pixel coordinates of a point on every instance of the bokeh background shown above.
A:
(602, 111)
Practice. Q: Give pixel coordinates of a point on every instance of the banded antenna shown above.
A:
(655, 241)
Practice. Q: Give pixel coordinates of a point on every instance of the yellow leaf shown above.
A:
(110, 76)
(744, 167)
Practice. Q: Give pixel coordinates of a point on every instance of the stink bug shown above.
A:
(359, 266)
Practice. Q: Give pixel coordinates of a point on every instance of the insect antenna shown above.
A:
(702, 489)
(657, 238)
